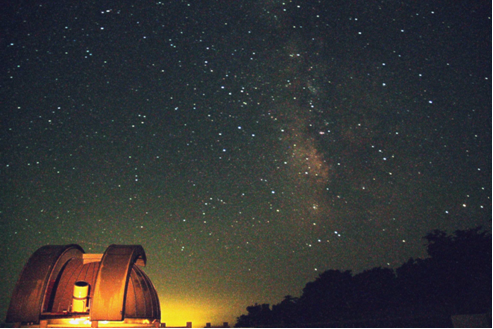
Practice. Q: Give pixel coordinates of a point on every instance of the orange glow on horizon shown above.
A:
(176, 313)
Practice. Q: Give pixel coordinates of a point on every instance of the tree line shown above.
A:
(455, 279)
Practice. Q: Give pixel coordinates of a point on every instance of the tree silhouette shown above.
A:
(461, 266)
(328, 298)
(258, 316)
(455, 279)
(286, 312)
(373, 292)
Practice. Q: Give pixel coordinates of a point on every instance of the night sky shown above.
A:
(248, 146)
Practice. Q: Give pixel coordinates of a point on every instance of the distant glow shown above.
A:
(177, 313)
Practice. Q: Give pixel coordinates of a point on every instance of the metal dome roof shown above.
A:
(118, 288)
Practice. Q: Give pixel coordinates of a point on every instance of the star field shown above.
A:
(247, 146)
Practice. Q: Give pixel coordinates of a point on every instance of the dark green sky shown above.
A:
(247, 145)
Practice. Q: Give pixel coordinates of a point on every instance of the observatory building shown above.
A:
(62, 286)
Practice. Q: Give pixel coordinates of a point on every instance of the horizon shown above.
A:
(179, 313)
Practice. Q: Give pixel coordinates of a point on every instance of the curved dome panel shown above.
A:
(142, 300)
(38, 276)
(112, 280)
